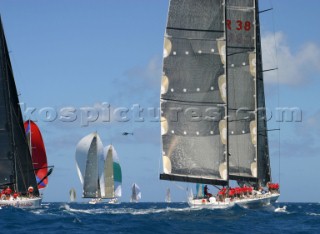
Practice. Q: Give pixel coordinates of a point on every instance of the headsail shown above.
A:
(193, 93)
(241, 89)
(264, 169)
(38, 153)
(200, 190)
(16, 163)
(89, 152)
(245, 96)
(112, 173)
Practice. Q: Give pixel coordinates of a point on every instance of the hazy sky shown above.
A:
(80, 55)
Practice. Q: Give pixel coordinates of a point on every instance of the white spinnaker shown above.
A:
(118, 191)
(82, 154)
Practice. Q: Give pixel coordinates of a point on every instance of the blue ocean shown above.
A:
(159, 218)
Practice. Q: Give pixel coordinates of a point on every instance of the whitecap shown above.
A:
(281, 209)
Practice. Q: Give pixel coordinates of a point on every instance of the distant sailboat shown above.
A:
(168, 196)
(73, 195)
(90, 165)
(17, 176)
(135, 193)
(213, 121)
(98, 169)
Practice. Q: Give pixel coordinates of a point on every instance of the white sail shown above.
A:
(108, 174)
(200, 189)
(136, 193)
(72, 194)
(117, 173)
(89, 153)
(112, 173)
(168, 196)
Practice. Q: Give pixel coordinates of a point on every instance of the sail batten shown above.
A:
(196, 30)
(243, 178)
(177, 177)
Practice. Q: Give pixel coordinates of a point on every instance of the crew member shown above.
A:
(206, 193)
(8, 192)
(15, 195)
(30, 191)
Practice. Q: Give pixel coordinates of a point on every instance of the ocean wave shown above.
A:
(132, 211)
(312, 214)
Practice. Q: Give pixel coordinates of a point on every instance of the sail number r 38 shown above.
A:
(239, 24)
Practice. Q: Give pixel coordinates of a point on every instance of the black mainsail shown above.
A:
(191, 94)
(212, 100)
(16, 169)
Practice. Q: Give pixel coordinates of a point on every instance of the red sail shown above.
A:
(39, 157)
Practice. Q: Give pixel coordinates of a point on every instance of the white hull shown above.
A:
(99, 200)
(258, 200)
(113, 201)
(210, 203)
(23, 202)
(95, 201)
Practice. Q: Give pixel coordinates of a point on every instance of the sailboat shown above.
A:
(73, 195)
(213, 118)
(17, 175)
(98, 169)
(90, 165)
(168, 196)
(113, 175)
(135, 193)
